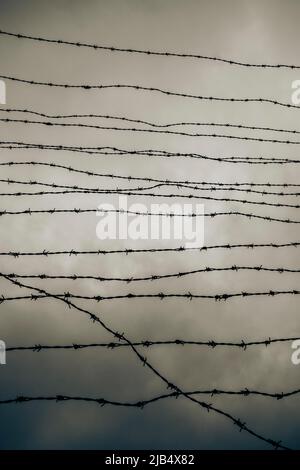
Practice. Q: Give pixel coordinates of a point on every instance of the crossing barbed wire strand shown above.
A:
(145, 362)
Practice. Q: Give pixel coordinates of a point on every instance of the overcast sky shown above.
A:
(260, 31)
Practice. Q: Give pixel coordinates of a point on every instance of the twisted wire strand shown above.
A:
(141, 404)
(127, 251)
(147, 123)
(153, 195)
(186, 185)
(154, 277)
(151, 343)
(148, 52)
(160, 295)
(145, 362)
(149, 179)
(153, 131)
(88, 87)
(160, 214)
(113, 151)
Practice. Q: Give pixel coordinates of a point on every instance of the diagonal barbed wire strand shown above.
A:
(148, 52)
(140, 88)
(145, 362)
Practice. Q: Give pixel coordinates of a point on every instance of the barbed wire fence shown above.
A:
(121, 340)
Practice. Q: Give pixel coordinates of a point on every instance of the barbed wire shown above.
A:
(153, 195)
(175, 391)
(159, 295)
(89, 189)
(88, 87)
(141, 404)
(154, 277)
(167, 183)
(145, 362)
(146, 52)
(148, 123)
(146, 153)
(160, 214)
(127, 251)
(153, 131)
(149, 179)
(150, 343)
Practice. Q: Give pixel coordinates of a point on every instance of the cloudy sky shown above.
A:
(261, 31)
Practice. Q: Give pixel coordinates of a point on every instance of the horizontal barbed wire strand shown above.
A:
(153, 131)
(154, 277)
(127, 251)
(149, 343)
(88, 87)
(113, 151)
(146, 52)
(160, 295)
(146, 214)
(148, 123)
(153, 195)
(142, 403)
(148, 179)
(144, 361)
(185, 185)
